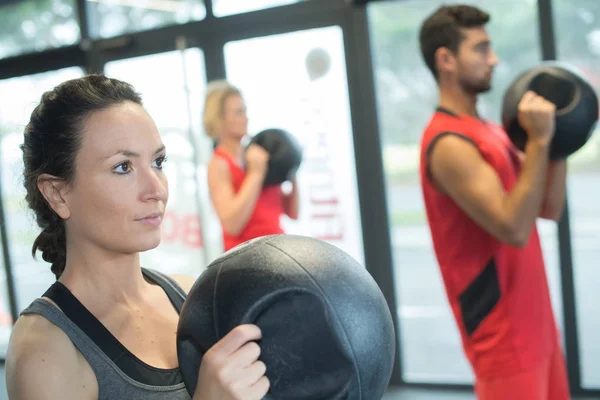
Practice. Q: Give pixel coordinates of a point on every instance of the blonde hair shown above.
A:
(216, 94)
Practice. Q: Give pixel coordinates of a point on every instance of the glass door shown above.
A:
(297, 81)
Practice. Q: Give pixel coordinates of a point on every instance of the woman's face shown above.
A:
(119, 193)
(235, 121)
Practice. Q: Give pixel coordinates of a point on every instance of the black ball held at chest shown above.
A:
(575, 100)
(327, 332)
(285, 154)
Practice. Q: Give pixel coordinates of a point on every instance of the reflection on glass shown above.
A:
(190, 232)
(578, 43)
(108, 18)
(32, 25)
(297, 82)
(32, 277)
(222, 8)
(406, 97)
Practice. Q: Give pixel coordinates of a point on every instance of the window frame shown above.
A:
(212, 33)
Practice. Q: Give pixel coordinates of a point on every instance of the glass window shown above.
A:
(406, 97)
(222, 8)
(297, 82)
(108, 18)
(578, 43)
(32, 277)
(191, 234)
(33, 25)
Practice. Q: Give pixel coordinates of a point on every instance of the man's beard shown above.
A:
(475, 87)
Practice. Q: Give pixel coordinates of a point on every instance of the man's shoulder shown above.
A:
(443, 122)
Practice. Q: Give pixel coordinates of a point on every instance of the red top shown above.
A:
(265, 217)
(498, 293)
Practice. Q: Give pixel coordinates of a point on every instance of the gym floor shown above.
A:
(393, 394)
(440, 394)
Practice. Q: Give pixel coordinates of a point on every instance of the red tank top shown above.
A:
(498, 293)
(265, 217)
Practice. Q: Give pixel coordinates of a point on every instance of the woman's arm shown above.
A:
(291, 205)
(234, 209)
(43, 364)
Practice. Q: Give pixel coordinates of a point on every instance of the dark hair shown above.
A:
(442, 29)
(51, 143)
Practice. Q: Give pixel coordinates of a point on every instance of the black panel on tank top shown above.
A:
(126, 361)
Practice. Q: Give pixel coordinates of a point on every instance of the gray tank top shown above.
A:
(113, 380)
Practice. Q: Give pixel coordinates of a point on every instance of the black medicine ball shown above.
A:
(327, 332)
(575, 100)
(285, 154)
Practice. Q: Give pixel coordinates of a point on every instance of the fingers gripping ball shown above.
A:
(327, 332)
(285, 155)
(575, 100)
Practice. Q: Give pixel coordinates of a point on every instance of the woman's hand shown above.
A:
(257, 159)
(230, 370)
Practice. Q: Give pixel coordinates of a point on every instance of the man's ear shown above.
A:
(445, 60)
(54, 189)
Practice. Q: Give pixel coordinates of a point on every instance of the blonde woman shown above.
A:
(236, 174)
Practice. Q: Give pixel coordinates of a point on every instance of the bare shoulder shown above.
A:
(453, 159)
(451, 148)
(185, 281)
(217, 174)
(34, 335)
(218, 165)
(42, 362)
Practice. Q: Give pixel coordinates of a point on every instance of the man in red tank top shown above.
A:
(482, 198)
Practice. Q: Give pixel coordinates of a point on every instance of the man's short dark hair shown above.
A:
(442, 29)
